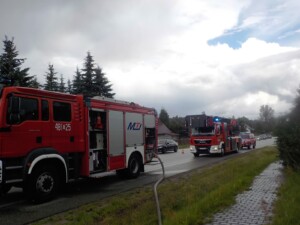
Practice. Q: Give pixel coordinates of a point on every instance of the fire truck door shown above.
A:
(25, 131)
(63, 128)
(116, 153)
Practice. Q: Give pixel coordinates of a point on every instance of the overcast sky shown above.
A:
(225, 58)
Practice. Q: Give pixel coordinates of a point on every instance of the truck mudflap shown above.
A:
(1, 171)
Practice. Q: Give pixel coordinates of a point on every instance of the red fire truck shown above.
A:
(212, 135)
(48, 139)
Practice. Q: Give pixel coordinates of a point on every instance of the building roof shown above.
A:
(164, 130)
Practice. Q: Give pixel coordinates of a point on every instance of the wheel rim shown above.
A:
(45, 183)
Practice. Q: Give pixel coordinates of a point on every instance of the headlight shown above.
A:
(192, 148)
(215, 148)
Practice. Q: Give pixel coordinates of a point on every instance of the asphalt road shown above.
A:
(15, 210)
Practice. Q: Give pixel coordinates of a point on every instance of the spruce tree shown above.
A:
(94, 81)
(69, 87)
(61, 87)
(101, 84)
(51, 79)
(10, 65)
(88, 72)
(34, 83)
(164, 117)
(77, 83)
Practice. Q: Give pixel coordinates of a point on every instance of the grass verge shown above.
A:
(183, 146)
(287, 206)
(191, 198)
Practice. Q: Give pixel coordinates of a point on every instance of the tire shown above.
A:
(196, 154)
(163, 151)
(222, 151)
(42, 185)
(249, 146)
(175, 149)
(134, 166)
(254, 145)
(237, 149)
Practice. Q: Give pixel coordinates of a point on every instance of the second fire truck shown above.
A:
(212, 135)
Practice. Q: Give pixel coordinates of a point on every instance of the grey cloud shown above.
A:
(126, 33)
(272, 74)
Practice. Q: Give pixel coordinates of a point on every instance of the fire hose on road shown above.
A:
(155, 190)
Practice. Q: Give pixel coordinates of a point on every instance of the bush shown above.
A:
(288, 142)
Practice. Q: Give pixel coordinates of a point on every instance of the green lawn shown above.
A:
(188, 199)
(287, 207)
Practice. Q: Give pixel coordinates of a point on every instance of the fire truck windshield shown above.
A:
(203, 131)
(245, 136)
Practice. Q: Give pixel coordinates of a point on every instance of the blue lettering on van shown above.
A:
(134, 126)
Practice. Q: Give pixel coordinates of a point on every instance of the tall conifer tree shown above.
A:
(34, 83)
(94, 81)
(88, 72)
(77, 83)
(51, 79)
(101, 84)
(10, 65)
(69, 86)
(62, 85)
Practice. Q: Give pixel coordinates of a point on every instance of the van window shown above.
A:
(62, 111)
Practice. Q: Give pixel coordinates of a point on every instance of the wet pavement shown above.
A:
(255, 205)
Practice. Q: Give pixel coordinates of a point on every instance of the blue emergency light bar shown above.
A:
(216, 119)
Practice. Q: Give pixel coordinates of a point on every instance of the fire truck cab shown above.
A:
(48, 139)
(212, 135)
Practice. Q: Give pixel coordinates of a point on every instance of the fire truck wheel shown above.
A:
(237, 148)
(222, 151)
(196, 154)
(134, 166)
(43, 184)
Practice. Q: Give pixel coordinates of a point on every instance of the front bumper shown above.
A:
(214, 149)
(245, 144)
